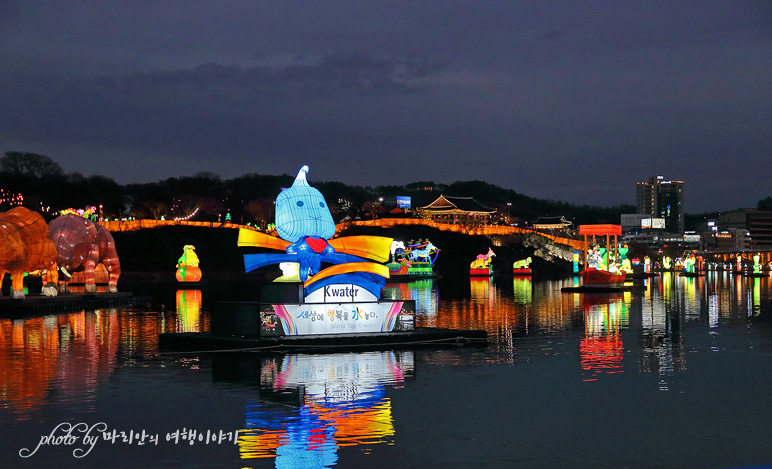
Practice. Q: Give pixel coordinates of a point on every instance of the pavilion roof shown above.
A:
(446, 203)
(552, 221)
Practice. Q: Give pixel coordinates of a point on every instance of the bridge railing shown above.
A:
(470, 229)
(133, 225)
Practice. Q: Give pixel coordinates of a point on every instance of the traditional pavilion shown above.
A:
(551, 223)
(447, 209)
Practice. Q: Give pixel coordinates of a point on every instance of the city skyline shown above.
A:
(555, 100)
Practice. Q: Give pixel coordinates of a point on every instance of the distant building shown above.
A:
(757, 223)
(551, 223)
(660, 198)
(731, 240)
(447, 209)
(639, 223)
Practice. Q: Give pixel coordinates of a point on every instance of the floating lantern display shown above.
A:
(483, 265)
(691, 265)
(522, 267)
(187, 265)
(25, 247)
(414, 260)
(601, 266)
(341, 298)
(757, 267)
(81, 245)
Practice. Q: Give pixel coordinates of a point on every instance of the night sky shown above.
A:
(573, 101)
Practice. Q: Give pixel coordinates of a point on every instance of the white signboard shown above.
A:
(342, 318)
(655, 223)
(340, 293)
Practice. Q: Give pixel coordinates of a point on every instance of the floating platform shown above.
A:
(420, 337)
(411, 277)
(485, 272)
(36, 305)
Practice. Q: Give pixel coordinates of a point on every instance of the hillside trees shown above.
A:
(250, 197)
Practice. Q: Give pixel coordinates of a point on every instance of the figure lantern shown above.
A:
(187, 265)
(483, 264)
(26, 248)
(522, 267)
(81, 244)
(305, 226)
(301, 211)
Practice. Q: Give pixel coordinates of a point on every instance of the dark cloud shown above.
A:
(571, 101)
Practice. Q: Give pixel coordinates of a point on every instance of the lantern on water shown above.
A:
(187, 265)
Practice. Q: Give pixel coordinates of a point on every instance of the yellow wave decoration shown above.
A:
(261, 240)
(376, 248)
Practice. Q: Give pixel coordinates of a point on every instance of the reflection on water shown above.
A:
(66, 354)
(188, 310)
(314, 404)
(522, 290)
(63, 357)
(602, 349)
(423, 291)
(304, 409)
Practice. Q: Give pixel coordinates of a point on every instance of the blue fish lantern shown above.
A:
(302, 211)
(305, 225)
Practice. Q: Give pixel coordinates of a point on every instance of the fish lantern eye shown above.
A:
(300, 203)
(321, 204)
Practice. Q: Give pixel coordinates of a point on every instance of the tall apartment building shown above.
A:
(660, 198)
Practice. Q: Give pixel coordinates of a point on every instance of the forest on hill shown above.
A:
(40, 183)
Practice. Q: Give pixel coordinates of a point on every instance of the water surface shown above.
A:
(676, 373)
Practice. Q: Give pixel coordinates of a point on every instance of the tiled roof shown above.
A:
(460, 204)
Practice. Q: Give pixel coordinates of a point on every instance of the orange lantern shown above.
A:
(187, 265)
(189, 274)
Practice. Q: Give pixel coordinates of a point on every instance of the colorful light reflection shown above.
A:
(342, 403)
(601, 349)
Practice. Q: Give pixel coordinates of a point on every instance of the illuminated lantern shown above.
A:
(187, 265)
(304, 225)
(81, 244)
(25, 247)
(522, 267)
(302, 211)
(483, 265)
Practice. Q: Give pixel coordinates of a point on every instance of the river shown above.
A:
(675, 373)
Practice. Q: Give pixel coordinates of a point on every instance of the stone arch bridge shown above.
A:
(546, 246)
